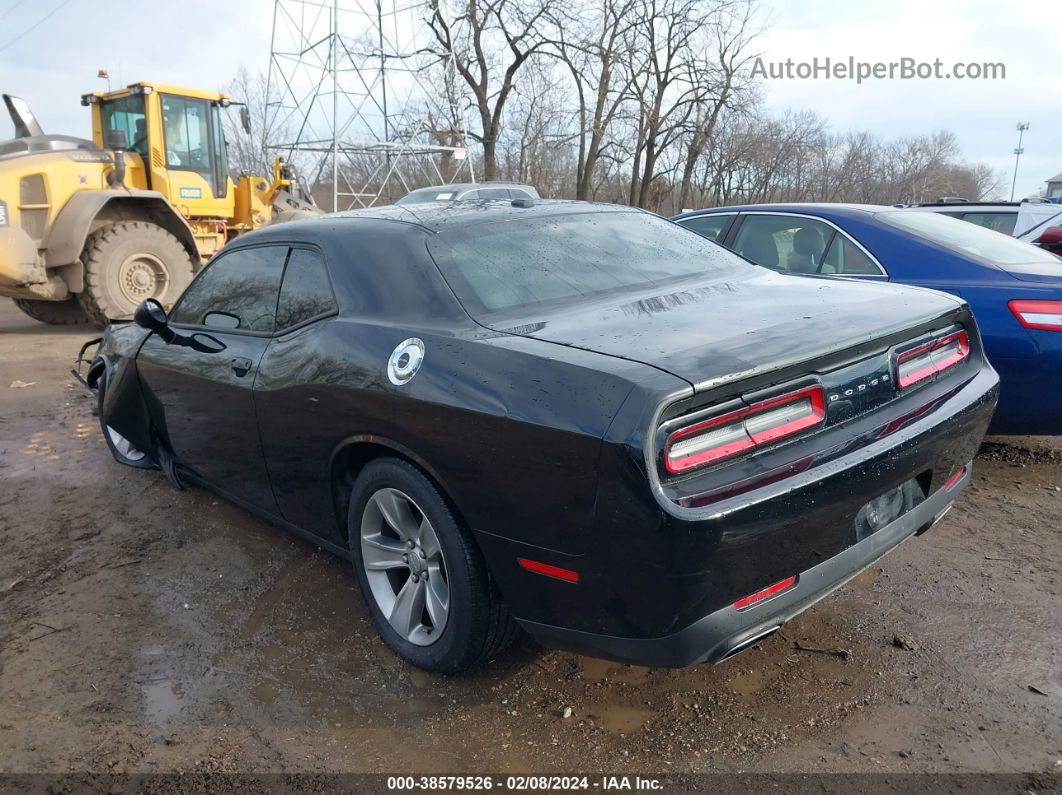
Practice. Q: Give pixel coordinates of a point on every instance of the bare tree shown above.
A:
(247, 152)
(667, 38)
(488, 42)
(647, 102)
(720, 81)
(594, 47)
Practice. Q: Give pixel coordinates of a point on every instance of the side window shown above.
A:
(187, 133)
(999, 222)
(127, 114)
(306, 292)
(519, 194)
(846, 257)
(785, 243)
(238, 290)
(709, 226)
(492, 193)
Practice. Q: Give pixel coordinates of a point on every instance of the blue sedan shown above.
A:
(1014, 289)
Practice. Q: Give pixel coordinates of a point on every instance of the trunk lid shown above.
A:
(713, 331)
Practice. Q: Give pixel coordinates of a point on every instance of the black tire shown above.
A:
(144, 462)
(128, 261)
(479, 625)
(54, 313)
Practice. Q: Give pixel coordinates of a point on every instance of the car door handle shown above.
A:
(240, 366)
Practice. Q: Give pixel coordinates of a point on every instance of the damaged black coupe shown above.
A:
(582, 420)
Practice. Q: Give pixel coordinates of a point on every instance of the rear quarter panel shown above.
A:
(514, 428)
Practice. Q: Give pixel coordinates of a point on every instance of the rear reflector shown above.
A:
(926, 361)
(556, 572)
(745, 429)
(1041, 315)
(951, 482)
(766, 593)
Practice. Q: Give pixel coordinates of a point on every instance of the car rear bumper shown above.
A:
(1027, 401)
(657, 588)
(723, 633)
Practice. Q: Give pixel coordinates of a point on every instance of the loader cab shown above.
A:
(177, 136)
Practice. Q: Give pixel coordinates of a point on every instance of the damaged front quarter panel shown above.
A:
(112, 377)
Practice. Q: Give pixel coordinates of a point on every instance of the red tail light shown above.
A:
(745, 429)
(766, 593)
(1040, 315)
(935, 356)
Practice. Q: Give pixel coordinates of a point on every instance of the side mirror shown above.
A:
(117, 140)
(245, 119)
(152, 316)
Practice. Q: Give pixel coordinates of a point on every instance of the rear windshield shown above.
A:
(429, 195)
(516, 263)
(976, 241)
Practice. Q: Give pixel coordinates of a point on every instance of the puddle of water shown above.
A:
(595, 670)
(273, 595)
(266, 692)
(621, 718)
(749, 682)
(162, 699)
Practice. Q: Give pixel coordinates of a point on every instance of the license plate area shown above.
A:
(886, 508)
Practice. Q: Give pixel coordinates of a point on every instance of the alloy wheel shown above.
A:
(405, 566)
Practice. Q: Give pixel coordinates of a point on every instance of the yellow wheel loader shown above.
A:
(89, 229)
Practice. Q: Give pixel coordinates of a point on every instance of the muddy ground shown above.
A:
(144, 629)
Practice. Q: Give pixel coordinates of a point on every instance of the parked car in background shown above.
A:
(1051, 240)
(581, 417)
(1025, 220)
(469, 191)
(1014, 289)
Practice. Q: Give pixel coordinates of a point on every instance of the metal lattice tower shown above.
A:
(356, 101)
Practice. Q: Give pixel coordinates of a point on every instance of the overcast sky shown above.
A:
(202, 44)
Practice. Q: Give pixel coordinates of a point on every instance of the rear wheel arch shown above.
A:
(353, 454)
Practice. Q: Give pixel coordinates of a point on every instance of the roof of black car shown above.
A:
(434, 216)
(430, 216)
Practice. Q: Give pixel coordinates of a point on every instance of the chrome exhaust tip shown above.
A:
(745, 643)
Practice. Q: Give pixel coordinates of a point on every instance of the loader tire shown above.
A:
(129, 261)
(54, 313)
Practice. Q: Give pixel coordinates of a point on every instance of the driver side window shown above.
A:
(238, 290)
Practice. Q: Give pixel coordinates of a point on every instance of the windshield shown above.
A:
(516, 263)
(976, 241)
(429, 195)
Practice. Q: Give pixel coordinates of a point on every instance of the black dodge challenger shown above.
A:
(578, 419)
